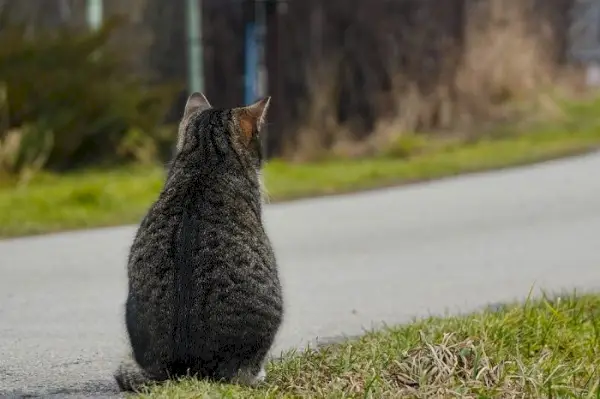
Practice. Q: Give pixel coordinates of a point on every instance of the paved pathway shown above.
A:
(347, 263)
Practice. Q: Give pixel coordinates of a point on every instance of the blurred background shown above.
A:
(366, 94)
(101, 83)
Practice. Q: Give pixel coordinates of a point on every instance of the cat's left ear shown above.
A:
(252, 117)
(195, 102)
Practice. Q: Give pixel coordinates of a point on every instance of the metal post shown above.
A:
(195, 58)
(94, 13)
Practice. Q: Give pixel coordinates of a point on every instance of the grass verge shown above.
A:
(88, 199)
(542, 349)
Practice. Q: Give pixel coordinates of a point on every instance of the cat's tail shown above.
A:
(131, 377)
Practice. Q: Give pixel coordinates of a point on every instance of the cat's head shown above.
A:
(217, 133)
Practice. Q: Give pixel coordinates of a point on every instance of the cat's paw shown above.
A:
(250, 376)
(261, 376)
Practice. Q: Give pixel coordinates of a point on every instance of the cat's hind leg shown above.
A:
(250, 376)
(130, 377)
(262, 375)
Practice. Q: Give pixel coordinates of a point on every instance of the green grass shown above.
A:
(546, 348)
(104, 198)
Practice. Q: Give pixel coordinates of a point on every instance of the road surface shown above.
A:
(347, 263)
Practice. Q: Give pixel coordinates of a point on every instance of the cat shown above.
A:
(204, 295)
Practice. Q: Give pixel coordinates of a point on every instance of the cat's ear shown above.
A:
(195, 102)
(252, 117)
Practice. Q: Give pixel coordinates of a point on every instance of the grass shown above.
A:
(545, 348)
(98, 198)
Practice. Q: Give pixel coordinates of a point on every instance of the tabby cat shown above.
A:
(204, 295)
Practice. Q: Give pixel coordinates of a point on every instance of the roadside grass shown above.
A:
(545, 348)
(97, 198)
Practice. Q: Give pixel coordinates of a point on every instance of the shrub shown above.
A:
(24, 151)
(76, 87)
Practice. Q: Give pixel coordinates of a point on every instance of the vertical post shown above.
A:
(64, 10)
(250, 51)
(94, 13)
(261, 32)
(260, 88)
(4, 111)
(273, 66)
(195, 58)
(593, 65)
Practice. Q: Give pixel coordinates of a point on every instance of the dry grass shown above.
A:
(547, 348)
(507, 58)
(500, 71)
(320, 130)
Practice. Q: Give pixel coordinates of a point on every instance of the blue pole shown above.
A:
(250, 55)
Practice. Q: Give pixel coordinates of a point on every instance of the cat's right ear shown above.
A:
(195, 102)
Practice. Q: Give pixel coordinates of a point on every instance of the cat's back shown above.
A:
(222, 233)
(204, 227)
(204, 293)
(155, 236)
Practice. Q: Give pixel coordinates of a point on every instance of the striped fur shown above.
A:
(204, 296)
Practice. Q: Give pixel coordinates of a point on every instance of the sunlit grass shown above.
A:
(543, 349)
(112, 197)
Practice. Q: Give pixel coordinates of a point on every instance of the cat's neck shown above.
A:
(231, 184)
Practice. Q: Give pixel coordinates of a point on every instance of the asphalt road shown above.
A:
(347, 263)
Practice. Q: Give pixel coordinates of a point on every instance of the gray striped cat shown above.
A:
(204, 294)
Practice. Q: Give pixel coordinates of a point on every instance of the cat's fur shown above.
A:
(204, 292)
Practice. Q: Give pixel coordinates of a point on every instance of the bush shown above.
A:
(24, 151)
(76, 87)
